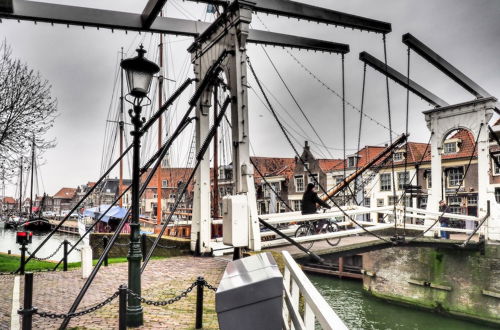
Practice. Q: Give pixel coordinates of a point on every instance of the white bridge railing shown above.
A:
(411, 212)
(315, 306)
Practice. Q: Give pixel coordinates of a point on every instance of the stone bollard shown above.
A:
(86, 261)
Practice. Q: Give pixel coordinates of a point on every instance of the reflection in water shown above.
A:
(8, 242)
(359, 310)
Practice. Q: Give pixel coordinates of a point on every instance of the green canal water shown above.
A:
(359, 310)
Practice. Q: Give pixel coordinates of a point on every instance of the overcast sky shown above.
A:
(81, 64)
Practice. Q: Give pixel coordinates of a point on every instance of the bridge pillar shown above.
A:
(201, 215)
(473, 116)
(228, 33)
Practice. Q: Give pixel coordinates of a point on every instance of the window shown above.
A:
(496, 169)
(366, 202)
(276, 186)
(429, 179)
(306, 166)
(164, 183)
(455, 176)
(472, 200)
(338, 178)
(403, 179)
(454, 203)
(155, 196)
(408, 201)
(299, 183)
(423, 202)
(497, 194)
(312, 177)
(351, 161)
(391, 200)
(450, 147)
(172, 196)
(164, 163)
(297, 205)
(398, 156)
(380, 202)
(385, 182)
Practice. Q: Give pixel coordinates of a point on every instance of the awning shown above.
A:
(114, 212)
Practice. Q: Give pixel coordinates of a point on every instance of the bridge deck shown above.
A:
(361, 244)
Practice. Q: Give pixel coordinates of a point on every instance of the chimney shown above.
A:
(306, 145)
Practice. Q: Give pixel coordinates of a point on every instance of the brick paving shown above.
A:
(162, 280)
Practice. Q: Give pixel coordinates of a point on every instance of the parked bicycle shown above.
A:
(316, 227)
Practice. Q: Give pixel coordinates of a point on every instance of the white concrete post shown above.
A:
(236, 73)
(201, 218)
(435, 193)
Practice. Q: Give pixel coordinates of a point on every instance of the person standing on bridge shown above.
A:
(444, 221)
(310, 199)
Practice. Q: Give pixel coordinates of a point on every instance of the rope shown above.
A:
(300, 158)
(390, 130)
(406, 132)
(360, 124)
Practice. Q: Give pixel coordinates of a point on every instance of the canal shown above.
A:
(359, 310)
(8, 242)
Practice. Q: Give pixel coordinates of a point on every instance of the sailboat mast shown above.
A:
(215, 206)
(160, 103)
(120, 183)
(32, 172)
(21, 188)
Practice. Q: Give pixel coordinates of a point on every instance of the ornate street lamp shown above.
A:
(139, 73)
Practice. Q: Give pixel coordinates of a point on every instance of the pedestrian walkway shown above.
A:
(162, 280)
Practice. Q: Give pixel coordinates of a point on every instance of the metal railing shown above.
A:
(316, 308)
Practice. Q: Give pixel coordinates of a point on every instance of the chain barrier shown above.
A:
(208, 286)
(48, 257)
(74, 247)
(164, 302)
(81, 313)
(161, 246)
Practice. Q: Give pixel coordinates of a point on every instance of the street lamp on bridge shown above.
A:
(139, 73)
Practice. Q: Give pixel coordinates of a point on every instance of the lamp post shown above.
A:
(139, 72)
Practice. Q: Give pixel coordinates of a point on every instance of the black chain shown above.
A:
(48, 257)
(208, 286)
(81, 313)
(74, 247)
(161, 246)
(164, 302)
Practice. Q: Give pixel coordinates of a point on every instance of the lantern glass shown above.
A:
(139, 72)
(139, 83)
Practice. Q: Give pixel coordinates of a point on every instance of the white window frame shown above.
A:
(449, 152)
(496, 169)
(381, 182)
(310, 176)
(400, 186)
(164, 183)
(450, 185)
(399, 156)
(297, 185)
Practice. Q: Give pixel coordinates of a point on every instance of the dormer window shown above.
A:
(351, 161)
(451, 146)
(399, 156)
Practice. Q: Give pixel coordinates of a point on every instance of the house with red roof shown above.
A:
(63, 200)
(7, 203)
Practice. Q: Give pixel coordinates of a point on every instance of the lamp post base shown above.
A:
(135, 316)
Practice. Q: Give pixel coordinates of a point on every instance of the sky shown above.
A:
(81, 65)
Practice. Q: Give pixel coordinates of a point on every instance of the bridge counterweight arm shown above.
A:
(313, 13)
(443, 65)
(402, 80)
(115, 20)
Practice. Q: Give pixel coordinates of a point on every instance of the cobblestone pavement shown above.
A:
(162, 280)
